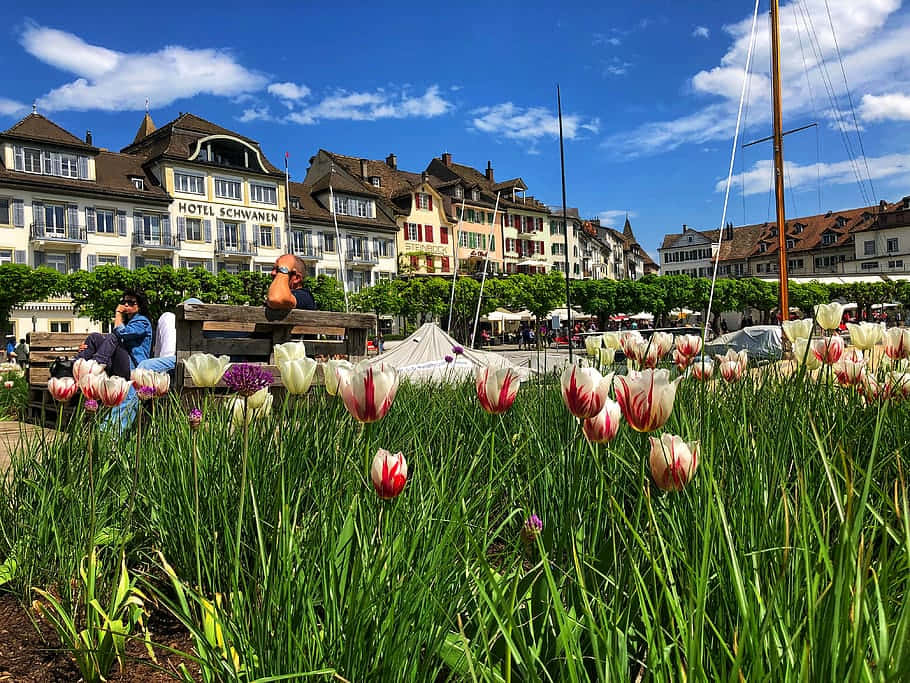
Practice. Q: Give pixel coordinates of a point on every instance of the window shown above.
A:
(32, 160)
(353, 206)
(60, 326)
(106, 260)
(193, 184)
(475, 195)
(896, 264)
(459, 192)
(194, 229)
(444, 234)
(829, 238)
(791, 243)
(328, 241)
(138, 183)
(265, 235)
(411, 233)
(228, 189)
(384, 248)
(69, 166)
(423, 201)
(295, 202)
(6, 256)
(4, 212)
(892, 244)
(54, 218)
(870, 265)
(231, 234)
(104, 221)
(151, 228)
(795, 264)
(869, 247)
(232, 268)
(263, 194)
(57, 262)
(375, 181)
(760, 268)
(762, 247)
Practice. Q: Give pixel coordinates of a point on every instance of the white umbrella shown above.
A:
(532, 262)
(642, 316)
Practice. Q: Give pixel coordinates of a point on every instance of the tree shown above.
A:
(379, 299)
(20, 284)
(539, 294)
(327, 292)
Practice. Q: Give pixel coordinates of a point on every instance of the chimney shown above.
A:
(364, 169)
(392, 162)
(684, 229)
(446, 158)
(88, 137)
(489, 172)
(424, 177)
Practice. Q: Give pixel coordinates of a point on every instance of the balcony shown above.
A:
(225, 247)
(308, 252)
(152, 242)
(71, 234)
(362, 258)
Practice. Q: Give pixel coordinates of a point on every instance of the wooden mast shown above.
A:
(779, 160)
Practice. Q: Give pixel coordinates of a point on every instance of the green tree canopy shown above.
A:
(20, 284)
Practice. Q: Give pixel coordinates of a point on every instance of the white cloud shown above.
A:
(612, 217)
(612, 39)
(531, 123)
(701, 32)
(11, 107)
(370, 106)
(256, 114)
(757, 180)
(871, 41)
(616, 67)
(891, 106)
(120, 81)
(288, 91)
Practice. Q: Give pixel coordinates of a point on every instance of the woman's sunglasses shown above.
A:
(129, 302)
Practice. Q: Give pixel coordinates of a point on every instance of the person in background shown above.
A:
(22, 352)
(10, 347)
(287, 291)
(380, 342)
(129, 344)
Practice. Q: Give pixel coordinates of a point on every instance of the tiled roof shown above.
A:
(471, 177)
(341, 182)
(312, 210)
(392, 182)
(671, 239)
(35, 127)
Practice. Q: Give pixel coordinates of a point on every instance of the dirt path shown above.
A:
(12, 435)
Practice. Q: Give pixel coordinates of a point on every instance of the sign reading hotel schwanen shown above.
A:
(229, 212)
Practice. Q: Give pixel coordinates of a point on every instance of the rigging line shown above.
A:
(829, 88)
(742, 157)
(802, 52)
(818, 168)
(723, 218)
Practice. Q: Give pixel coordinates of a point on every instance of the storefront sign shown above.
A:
(229, 212)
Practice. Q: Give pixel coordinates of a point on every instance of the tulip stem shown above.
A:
(91, 489)
(196, 508)
(129, 516)
(246, 450)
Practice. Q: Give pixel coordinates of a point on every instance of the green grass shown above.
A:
(787, 557)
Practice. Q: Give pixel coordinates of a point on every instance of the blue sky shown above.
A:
(650, 91)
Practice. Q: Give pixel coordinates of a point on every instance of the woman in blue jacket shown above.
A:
(131, 341)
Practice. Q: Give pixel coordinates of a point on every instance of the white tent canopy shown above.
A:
(563, 314)
(421, 356)
(503, 315)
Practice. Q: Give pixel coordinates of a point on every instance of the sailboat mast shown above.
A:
(779, 160)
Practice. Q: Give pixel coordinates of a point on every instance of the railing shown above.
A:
(364, 256)
(70, 233)
(235, 248)
(308, 252)
(168, 242)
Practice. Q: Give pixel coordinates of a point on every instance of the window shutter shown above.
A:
(181, 229)
(39, 258)
(428, 232)
(243, 236)
(58, 164)
(38, 214)
(219, 226)
(121, 223)
(209, 266)
(166, 229)
(416, 200)
(20, 255)
(540, 247)
(207, 232)
(90, 220)
(137, 223)
(72, 216)
(18, 213)
(277, 237)
(75, 261)
(140, 262)
(181, 263)
(123, 261)
(443, 234)
(419, 232)
(19, 155)
(430, 200)
(83, 168)
(255, 234)
(92, 262)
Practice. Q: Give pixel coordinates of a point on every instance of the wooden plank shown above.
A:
(50, 340)
(267, 316)
(328, 331)
(46, 357)
(39, 376)
(236, 347)
(188, 383)
(218, 326)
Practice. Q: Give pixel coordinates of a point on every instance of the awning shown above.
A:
(533, 263)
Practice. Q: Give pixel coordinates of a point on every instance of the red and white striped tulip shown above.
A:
(112, 390)
(802, 354)
(389, 474)
(865, 335)
(83, 367)
(368, 390)
(829, 350)
(732, 365)
(584, 390)
(850, 369)
(829, 316)
(897, 385)
(673, 461)
(159, 381)
(681, 359)
(496, 388)
(89, 383)
(646, 398)
(603, 426)
(797, 329)
(663, 342)
(872, 390)
(897, 343)
(688, 345)
(702, 368)
(628, 342)
(647, 354)
(62, 388)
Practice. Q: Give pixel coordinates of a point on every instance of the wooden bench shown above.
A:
(44, 349)
(250, 333)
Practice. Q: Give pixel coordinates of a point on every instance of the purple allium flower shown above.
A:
(246, 379)
(194, 418)
(449, 358)
(91, 405)
(457, 350)
(531, 529)
(145, 393)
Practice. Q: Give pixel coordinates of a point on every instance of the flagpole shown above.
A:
(287, 203)
(344, 282)
(565, 220)
(483, 278)
(455, 270)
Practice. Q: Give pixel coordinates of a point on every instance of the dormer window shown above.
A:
(459, 192)
(375, 181)
(138, 183)
(829, 238)
(353, 206)
(295, 202)
(791, 243)
(44, 162)
(762, 247)
(798, 228)
(841, 221)
(773, 232)
(475, 195)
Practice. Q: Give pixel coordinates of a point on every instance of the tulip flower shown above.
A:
(389, 474)
(662, 342)
(603, 426)
(802, 354)
(258, 405)
(368, 390)
(612, 340)
(673, 461)
(62, 388)
(702, 368)
(289, 351)
(681, 359)
(297, 375)
(160, 382)
(496, 389)
(865, 335)
(829, 350)
(829, 316)
(606, 356)
(330, 374)
(593, 344)
(897, 385)
(8, 384)
(628, 342)
(206, 369)
(112, 390)
(89, 383)
(850, 370)
(798, 329)
(83, 367)
(897, 343)
(871, 389)
(584, 390)
(646, 398)
(688, 345)
(732, 365)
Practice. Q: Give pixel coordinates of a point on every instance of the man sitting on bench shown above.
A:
(287, 291)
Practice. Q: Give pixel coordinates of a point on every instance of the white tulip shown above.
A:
(289, 351)
(829, 316)
(297, 375)
(330, 374)
(865, 335)
(797, 329)
(206, 369)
